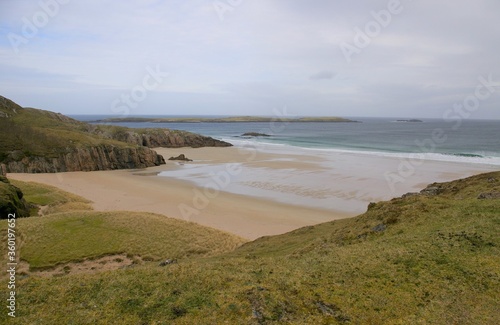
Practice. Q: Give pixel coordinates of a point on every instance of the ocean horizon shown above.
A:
(467, 141)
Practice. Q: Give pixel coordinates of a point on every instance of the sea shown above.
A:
(468, 141)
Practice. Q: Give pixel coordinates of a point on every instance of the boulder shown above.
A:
(432, 190)
(180, 157)
(489, 196)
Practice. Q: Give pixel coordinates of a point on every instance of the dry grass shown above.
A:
(434, 261)
(66, 237)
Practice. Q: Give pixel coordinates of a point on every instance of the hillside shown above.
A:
(68, 231)
(38, 141)
(428, 258)
(12, 200)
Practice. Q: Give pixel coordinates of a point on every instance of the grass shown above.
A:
(51, 198)
(71, 231)
(67, 237)
(426, 259)
(11, 200)
(33, 132)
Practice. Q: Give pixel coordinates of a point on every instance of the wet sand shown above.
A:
(253, 193)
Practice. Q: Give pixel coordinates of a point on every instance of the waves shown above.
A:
(267, 145)
(474, 141)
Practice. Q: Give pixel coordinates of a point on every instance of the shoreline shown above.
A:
(276, 192)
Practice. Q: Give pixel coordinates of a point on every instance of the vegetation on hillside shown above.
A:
(34, 140)
(12, 200)
(428, 258)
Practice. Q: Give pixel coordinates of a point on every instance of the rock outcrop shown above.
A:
(255, 134)
(39, 141)
(8, 107)
(180, 157)
(104, 157)
(154, 138)
(12, 201)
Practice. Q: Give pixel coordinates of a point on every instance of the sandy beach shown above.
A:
(253, 193)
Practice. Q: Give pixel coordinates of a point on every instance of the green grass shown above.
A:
(67, 237)
(33, 132)
(11, 200)
(30, 134)
(436, 262)
(71, 231)
(52, 198)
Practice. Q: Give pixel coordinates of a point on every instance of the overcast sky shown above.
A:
(419, 58)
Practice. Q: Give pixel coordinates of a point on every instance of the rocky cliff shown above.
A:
(154, 138)
(103, 157)
(39, 141)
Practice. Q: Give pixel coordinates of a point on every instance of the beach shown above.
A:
(258, 191)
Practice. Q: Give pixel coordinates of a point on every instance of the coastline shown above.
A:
(348, 183)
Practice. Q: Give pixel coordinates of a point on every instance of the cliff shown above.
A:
(102, 157)
(154, 138)
(39, 141)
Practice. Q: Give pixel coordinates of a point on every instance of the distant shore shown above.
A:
(234, 119)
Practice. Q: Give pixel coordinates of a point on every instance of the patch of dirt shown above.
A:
(106, 263)
(42, 209)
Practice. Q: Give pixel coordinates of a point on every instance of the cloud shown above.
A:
(264, 53)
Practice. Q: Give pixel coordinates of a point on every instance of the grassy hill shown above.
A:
(35, 132)
(427, 258)
(38, 141)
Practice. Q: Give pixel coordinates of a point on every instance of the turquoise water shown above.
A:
(476, 141)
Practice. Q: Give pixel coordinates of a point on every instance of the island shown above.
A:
(410, 121)
(254, 134)
(232, 119)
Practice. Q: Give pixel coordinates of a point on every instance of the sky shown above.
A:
(387, 58)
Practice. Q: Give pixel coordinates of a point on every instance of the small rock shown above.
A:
(491, 180)
(431, 191)
(181, 157)
(411, 194)
(332, 310)
(379, 228)
(489, 196)
(167, 262)
(255, 134)
(257, 314)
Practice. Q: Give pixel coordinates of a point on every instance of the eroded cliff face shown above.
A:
(104, 157)
(39, 141)
(167, 138)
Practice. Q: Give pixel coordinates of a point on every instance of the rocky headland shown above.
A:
(39, 141)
